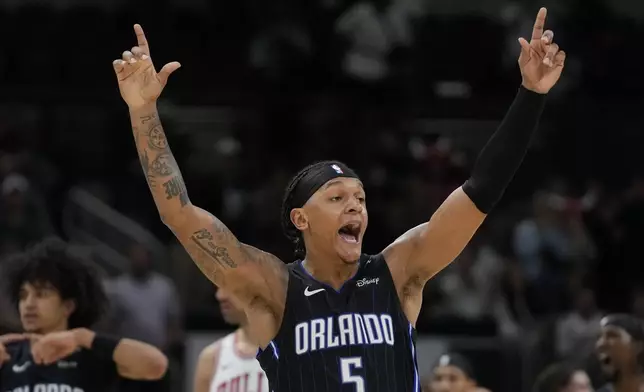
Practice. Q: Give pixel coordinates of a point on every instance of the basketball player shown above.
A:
(59, 297)
(452, 373)
(563, 377)
(229, 364)
(335, 320)
(620, 350)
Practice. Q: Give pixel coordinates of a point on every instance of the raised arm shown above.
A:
(247, 272)
(425, 250)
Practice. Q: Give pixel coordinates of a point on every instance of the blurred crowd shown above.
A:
(404, 92)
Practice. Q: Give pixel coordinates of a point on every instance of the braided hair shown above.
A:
(290, 231)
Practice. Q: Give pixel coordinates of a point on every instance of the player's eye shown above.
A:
(361, 199)
(336, 198)
(43, 293)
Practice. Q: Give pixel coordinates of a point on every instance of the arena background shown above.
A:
(404, 91)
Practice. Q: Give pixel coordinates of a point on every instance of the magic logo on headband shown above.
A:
(318, 176)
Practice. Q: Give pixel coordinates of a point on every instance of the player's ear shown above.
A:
(70, 306)
(299, 219)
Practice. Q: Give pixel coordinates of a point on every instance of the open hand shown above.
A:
(138, 81)
(541, 62)
(52, 347)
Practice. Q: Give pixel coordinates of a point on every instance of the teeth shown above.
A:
(349, 238)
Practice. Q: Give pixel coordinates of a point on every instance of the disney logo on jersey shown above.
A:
(364, 281)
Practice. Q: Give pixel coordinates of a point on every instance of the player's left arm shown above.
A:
(425, 250)
(134, 359)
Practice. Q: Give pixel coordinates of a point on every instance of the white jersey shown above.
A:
(237, 372)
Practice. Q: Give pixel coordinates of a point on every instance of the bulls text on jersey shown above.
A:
(235, 371)
(243, 383)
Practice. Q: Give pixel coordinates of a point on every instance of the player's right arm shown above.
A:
(258, 279)
(206, 367)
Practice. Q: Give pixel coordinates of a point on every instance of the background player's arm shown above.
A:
(139, 361)
(206, 367)
(134, 360)
(425, 250)
(256, 278)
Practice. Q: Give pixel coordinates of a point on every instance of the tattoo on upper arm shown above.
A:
(203, 238)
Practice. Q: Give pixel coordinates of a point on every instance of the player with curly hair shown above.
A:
(59, 296)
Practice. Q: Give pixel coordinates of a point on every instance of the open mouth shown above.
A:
(605, 360)
(350, 232)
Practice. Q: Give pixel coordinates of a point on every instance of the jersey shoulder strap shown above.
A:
(375, 266)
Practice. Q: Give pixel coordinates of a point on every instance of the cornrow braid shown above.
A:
(290, 231)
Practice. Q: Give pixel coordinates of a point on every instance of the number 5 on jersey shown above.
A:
(347, 365)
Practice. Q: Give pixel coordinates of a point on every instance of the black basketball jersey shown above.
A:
(355, 339)
(82, 371)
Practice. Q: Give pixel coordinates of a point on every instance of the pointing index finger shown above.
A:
(142, 42)
(539, 23)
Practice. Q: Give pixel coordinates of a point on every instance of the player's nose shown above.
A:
(29, 301)
(221, 295)
(354, 206)
(601, 343)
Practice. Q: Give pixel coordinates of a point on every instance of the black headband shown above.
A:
(632, 325)
(456, 360)
(316, 177)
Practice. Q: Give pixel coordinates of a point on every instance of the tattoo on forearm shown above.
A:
(175, 187)
(145, 164)
(156, 137)
(145, 119)
(158, 163)
(163, 165)
(137, 135)
(204, 240)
